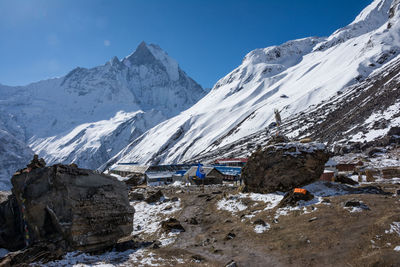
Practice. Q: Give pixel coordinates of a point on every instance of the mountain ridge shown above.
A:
(134, 93)
(290, 77)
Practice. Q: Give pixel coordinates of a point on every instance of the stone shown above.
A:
(232, 263)
(356, 204)
(305, 140)
(11, 225)
(277, 139)
(373, 151)
(343, 179)
(292, 198)
(156, 245)
(135, 196)
(197, 258)
(230, 236)
(394, 131)
(34, 164)
(174, 199)
(284, 166)
(154, 197)
(259, 222)
(312, 219)
(193, 221)
(172, 225)
(76, 208)
(43, 252)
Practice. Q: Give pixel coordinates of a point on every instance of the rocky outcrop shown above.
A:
(284, 166)
(74, 208)
(154, 197)
(292, 198)
(172, 225)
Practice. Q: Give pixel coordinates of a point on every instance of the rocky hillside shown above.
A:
(294, 77)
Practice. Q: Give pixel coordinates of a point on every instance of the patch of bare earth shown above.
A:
(321, 234)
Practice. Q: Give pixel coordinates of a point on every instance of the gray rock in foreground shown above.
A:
(75, 208)
(284, 166)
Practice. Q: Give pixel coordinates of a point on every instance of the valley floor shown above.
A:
(222, 225)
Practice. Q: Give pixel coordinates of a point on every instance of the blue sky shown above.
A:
(47, 38)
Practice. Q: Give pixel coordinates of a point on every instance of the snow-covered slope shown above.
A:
(364, 115)
(92, 144)
(141, 81)
(289, 77)
(88, 115)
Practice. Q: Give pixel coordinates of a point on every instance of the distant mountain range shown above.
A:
(89, 115)
(144, 108)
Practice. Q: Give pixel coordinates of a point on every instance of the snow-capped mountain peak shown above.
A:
(288, 77)
(153, 55)
(78, 117)
(373, 17)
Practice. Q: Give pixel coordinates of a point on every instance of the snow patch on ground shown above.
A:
(139, 257)
(302, 206)
(259, 229)
(168, 239)
(177, 184)
(234, 204)
(394, 228)
(148, 217)
(119, 177)
(353, 209)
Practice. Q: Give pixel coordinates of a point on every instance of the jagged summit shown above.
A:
(114, 61)
(378, 14)
(140, 56)
(153, 56)
(90, 114)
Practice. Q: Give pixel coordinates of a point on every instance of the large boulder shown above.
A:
(284, 166)
(11, 225)
(76, 208)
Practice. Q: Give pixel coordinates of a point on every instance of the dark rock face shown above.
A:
(259, 222)
(345, 180)
(171, 225)
(81, 209)
(356, 204)
(11, 225)
(394, 131)
(135, 196)
(284, 166)
(155, 197)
